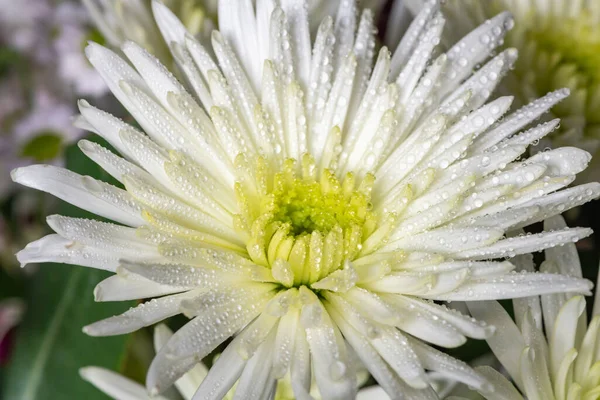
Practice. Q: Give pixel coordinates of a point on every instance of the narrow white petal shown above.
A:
(202, 334)
(525, 244)
(562, 338)
(507, 343)
(372, 393)
(223, 374)
(413, 34)
(54, 248)
(256, 380)
(110, 162)
(381, 371)
(515, 285)
(140, 316)
(106, 125)
(563, 161)
(114, 385)
(81, 191)
(191, 380)
(444, 364)
(471, 50)
(130, 287)
(103, 235)
(558, 202)
(519, 119)
(448, 240)
(565, 257)
(401, 356)
(114, 70)
(334, 374)
(503, 389)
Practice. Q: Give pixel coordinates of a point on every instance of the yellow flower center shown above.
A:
(576, 40)
(556, 53)
(303, 223)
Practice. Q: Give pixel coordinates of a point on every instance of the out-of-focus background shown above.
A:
(43, 71)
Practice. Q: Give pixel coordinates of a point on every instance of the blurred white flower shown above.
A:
(47, 114)
(120, 21)
(23, 26)
(12, 310)
(306, 200)
(72, 27)
(550, 351)
(559, 46)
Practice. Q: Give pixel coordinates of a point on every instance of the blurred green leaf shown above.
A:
(9, 58)
(50, 346)
(43, 147)
(10, 286)
(93, 35)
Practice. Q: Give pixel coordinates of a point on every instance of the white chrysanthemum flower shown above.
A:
(71, 27)
(120, 21)
(121, 388)
(559, 46)
(319, 203)
(562, 363)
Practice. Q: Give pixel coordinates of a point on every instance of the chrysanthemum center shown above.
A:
(562, 53)
(576, 41)
(308, 205)
(302, 223)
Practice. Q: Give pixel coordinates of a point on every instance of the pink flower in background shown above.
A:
(11, 313)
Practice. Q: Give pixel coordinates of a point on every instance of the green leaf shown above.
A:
(50, 345)
(43, 147)
(9, 58)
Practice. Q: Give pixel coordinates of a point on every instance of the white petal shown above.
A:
(413, 34)
(103, 235)
(114, 385)
(105, 125)
(297, 18)
(218, 318)
(110, 162)
(503, 389)
(525, 244)
(223, 374)
(452, 368)
(397, 351)
(515, 285)
(114, 70)
(463, 323)
(188, 383)
(558, 202)
(256, 380)
(56, 249)
(334, 374)
(563, 161)
(565, 257)
(562, 338)
(381, 371)
(130, 287)
(82, 191)
(159, 80)
(182, 276)
(372, 393)
(448, 240)
(507, 343)
(471, 50)
(519, 119)
(140, 316)
(483, 81)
